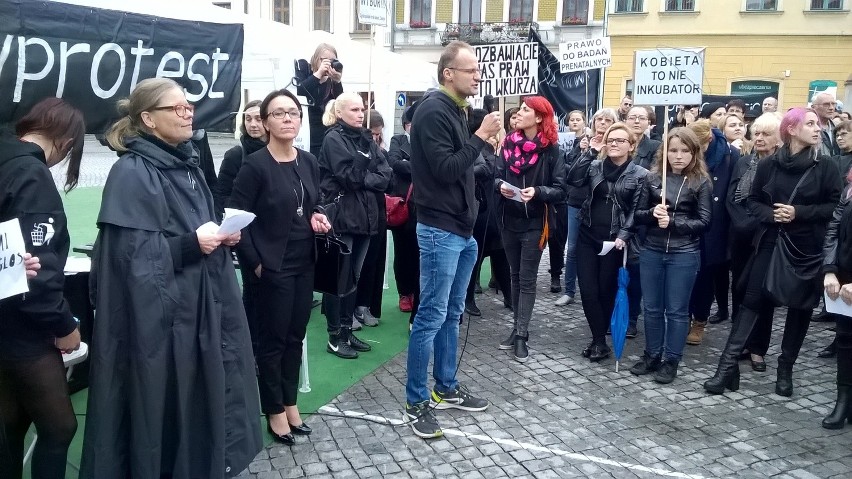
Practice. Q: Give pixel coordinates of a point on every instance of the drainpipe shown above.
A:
(392, 18)
(602, 75)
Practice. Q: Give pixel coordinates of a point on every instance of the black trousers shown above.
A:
(598, 277)
(711, 283)
(286, 299)
(338, 311)
(524, 257)
(558, 226)
(499, 270)
(844, 351)
(406, 260)
(371, 282)
(250, 301)
(35, 391)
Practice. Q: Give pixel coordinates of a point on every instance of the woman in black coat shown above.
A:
(280, 184)
(320, 87)
(352, 171)
(37, 326)
(796, 163)
(406, 253)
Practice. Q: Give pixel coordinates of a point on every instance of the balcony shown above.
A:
(486, 33)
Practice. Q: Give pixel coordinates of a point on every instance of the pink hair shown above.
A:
(547, 127)
(794, 118)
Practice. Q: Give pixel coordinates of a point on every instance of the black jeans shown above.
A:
(500, 271)
(711, 283)
(35, 391)
(598, 277)
(339, 311)
(844, 351)
(286, 298)
(371, 282)
(406, 260)
(558, 225)
(524, 256)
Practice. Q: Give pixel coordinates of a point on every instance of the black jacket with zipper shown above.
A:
(646, 152)
(690, 205)
(587, 172)
(29, 322)
(837, 250)
(548, 178)
(352, 169)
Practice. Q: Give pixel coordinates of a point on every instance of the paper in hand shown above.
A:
(234, 221)
(607, 247)
(837, 306)
(515, 189)
(13, 273)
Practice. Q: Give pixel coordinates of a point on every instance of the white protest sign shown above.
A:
(585, 55)
(509, 69)
(668, 76)
(566, 140)
(13, 276)
(373, 12)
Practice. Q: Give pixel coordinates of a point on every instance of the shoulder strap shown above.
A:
(410, 188)
(801, 180)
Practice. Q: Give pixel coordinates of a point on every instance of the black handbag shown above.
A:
(333, 273)
(791, 274)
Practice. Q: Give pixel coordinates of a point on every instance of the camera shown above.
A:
(338, 67)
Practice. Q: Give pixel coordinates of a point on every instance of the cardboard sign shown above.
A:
(13, 276)
(509, 69)
(373, 12)
(668, 76)
(585, 55)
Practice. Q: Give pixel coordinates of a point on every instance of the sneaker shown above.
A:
(555, 284)
(356, 325)
(422, 420)
(339, 348)
(564, 300)
(358, 345)
(667, 372)
(632, 332)
(509, 342)
(458, 399)
(362, 314)
(646, 365)
(405, 303)
(472, 309)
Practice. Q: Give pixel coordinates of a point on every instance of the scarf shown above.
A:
(797, 163)
(360, 135)
(716, 150)
(611, 171)
(250, 145)
(520, 153)
(744, 186)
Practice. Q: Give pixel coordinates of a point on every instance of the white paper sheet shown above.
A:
(607, 247)
(837, 306)
(13, 275)
(517, 191)
(74, 265)
(235, 220)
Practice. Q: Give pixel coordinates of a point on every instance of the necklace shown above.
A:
(299, 210)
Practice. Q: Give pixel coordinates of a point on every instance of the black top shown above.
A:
(837, 252)
(318, 95)
(231, 163)
(548, 178)
(30, 322)
(300, 227)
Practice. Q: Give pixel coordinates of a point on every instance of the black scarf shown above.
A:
(250, 145)
(797, 163)
(183, 151)
(361, 136)
(611, 171)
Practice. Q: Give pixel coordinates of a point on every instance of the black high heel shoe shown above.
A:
(286, 439)
(301, 430)
(728, 380)
(838, 418)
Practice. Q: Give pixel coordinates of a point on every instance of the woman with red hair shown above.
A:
(530, 175)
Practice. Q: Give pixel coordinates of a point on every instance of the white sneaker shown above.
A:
(563, 300)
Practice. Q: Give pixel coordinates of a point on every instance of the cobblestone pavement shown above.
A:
(558, 415)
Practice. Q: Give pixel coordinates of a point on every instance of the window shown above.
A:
(826, 4)
(421, 14)
(281, 11)
(761, 5)
(680, 5)
(520, 11)
(322, 15)
(629, 6)
(359, 27)
(470, 11)
(575, 12)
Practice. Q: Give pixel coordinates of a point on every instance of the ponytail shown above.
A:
(329, 117)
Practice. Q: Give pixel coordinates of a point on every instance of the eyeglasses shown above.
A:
(634, 118)
(279, 114)
(616, 141)
(469, 71)
(180, 110)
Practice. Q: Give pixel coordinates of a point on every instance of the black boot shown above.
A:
(354, 342)
(728, 373)
(784, 381)
(509, 342)
(837, 418)
(795, 328)
(520, 351)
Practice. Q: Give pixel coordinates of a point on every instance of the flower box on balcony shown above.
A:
(574, 21)
(419, 25)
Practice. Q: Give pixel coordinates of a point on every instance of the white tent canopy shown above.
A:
(271, 47)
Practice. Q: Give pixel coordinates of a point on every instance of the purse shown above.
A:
(397, 208)
(790, 276)
(333, 272)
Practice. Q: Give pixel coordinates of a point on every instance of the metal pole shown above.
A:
(370, 77)
(306, 377)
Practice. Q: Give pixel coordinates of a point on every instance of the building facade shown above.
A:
(788, 47)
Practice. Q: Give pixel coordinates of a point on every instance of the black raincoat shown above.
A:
(172, 385)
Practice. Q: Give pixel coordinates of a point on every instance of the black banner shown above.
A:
(94, 57)
(565, 91)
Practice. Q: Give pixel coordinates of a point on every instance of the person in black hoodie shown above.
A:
(37, 326)
(320, 87)
(406, 255)
(795, 191)
(352, 171)
(615, 185)
(530, 177)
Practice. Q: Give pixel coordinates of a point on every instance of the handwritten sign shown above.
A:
(373, 12)
(509, 69)
(585, 55)
(13, 277)
(668, 76)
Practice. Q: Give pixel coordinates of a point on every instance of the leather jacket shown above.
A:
(837, 250)
(548, 178)
(690, 206)
(587, 172)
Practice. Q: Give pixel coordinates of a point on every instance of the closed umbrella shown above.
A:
(621, 311)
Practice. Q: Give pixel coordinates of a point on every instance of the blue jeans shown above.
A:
(667, 280)
(571, 251)
(446, 262)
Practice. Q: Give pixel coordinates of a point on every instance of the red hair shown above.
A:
(547, 127)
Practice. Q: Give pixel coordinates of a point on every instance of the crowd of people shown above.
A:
(184, 361)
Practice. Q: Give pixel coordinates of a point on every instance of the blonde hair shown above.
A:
(617, 126)
(144, 97)
(316, 58)
(724, 120)
(332, 109)
(703, 131)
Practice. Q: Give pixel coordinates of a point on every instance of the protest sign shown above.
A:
(509, 69)
(566, 140)
(13, 276)
(585, 55)
(373, 12)
(668, 76)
